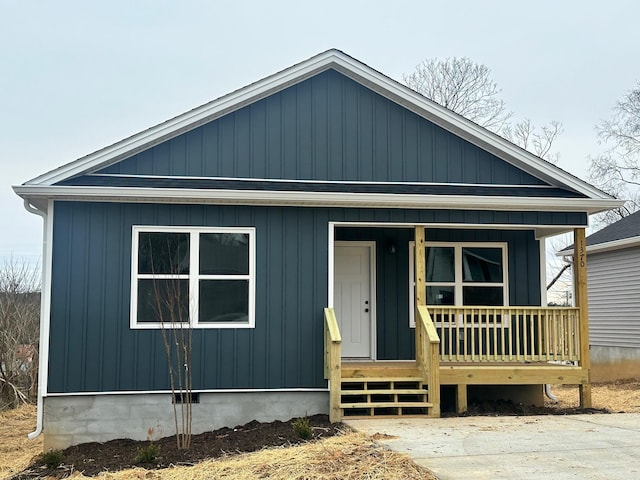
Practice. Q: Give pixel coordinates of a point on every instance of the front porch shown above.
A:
(462, 346)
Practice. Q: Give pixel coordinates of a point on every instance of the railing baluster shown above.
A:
(532, 334)
(539, 321)
(481, 334)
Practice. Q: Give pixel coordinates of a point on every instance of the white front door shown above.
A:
(352, 297)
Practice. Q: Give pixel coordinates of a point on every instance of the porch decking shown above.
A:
(481, 346)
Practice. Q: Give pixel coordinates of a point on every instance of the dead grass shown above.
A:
(16, 450)
(615, 397)
(348, 456)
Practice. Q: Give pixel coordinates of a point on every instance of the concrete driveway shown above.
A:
(598, 446)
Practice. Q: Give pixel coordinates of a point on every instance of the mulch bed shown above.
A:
(93, 458)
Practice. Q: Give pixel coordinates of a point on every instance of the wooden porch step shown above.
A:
(380, 372)
(383, 389)
(389, 391)
(413, 379)
(386, 404)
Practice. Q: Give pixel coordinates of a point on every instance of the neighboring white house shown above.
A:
(613, 271)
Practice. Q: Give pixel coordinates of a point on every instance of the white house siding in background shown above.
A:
(614, 313)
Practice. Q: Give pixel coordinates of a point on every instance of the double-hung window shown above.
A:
(462, 274)
(201, 277)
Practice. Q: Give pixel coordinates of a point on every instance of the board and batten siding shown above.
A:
(92, 348)
(614, 298)
(326, 128)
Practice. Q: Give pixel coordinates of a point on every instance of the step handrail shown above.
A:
(428, 355)
(333, 362)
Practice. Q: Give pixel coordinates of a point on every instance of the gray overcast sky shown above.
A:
(76, 76)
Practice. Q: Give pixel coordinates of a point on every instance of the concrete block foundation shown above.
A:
(74, 419)
(610, 364)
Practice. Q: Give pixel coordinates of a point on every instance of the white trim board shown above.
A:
(357, 71)
(194, 277)
(458, 282)
(309, 180)
(223, 390)
(314, 199)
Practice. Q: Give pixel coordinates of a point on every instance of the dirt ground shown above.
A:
(619, 397)
(16, 450)
(333, 453)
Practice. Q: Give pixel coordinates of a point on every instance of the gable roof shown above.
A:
(624, 233)
(624, 229)
(44, 186)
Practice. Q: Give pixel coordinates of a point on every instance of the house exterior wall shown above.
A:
(614, 313)
(93, 349)
(328, 127)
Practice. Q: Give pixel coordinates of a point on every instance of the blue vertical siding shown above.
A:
(92, 347)
(327, 127)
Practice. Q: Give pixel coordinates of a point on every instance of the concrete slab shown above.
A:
(560, 447)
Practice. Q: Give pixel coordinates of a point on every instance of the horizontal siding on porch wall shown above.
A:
(614, 298)
(93, 349)
(328, 127)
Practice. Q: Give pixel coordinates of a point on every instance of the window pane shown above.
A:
(482, 264)
(224, 301)
(440, 264)
(163, 301)
(224, 254)
(483, 296)
(163, 252)
(440, 295)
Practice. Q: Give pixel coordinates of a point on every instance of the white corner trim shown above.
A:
(316, 199)
(543, 270)
(355, 70)
(331, 266)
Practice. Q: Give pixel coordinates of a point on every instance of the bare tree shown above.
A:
(617, 171)
(467, 88)
(463, 86)
(168, 300)
(19, 331)
(537, 141)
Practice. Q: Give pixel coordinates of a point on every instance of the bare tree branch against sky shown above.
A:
(76, 76)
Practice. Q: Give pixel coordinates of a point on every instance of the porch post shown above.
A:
(580, 295)
(420, 292)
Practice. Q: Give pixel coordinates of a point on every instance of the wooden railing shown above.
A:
(507, 334)
(332, 362)
(427, 356)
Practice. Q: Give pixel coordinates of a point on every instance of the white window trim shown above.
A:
(194, 276)
(458, 284)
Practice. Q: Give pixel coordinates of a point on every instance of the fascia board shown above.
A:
(607, 246)
(315, 199)
(352, 68)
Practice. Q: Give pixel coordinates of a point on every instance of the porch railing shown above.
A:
(507, 334)
(427, 356)
(332, 362)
